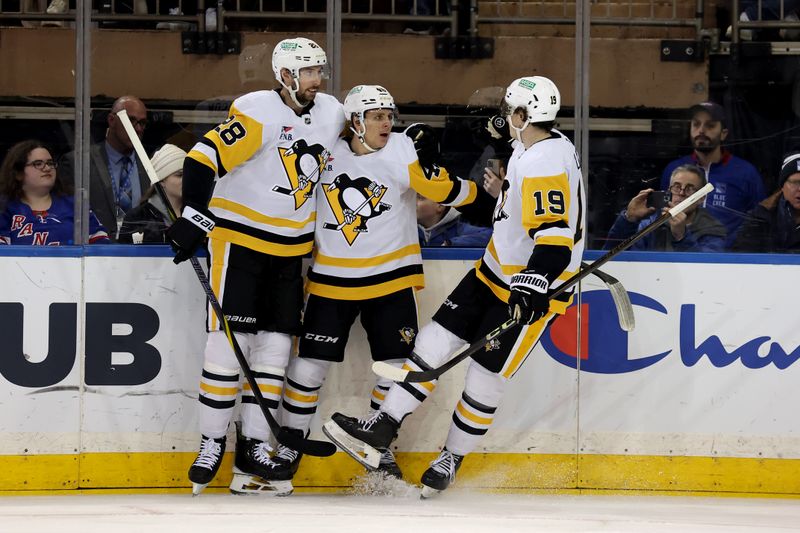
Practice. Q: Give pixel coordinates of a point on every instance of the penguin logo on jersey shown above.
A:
(499, 214)
(303, 164)
(354, 202)
(407, 335)
(493, 344)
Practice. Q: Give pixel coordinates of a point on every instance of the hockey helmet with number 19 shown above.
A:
(363, 98)
(537, 95)
(296, 54)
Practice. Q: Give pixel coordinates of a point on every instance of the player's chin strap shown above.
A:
(362, 133)
(517, 131)
(293, 91)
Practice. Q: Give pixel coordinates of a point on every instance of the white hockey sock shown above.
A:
(382, 386)
(433, 346)
(304, 378)
(219, 383)
(269, 356)
(475, 411)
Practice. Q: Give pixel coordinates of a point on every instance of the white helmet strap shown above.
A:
(362, 133)
(517, 131)
(293, 89)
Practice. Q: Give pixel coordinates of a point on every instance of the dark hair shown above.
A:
(14, 164)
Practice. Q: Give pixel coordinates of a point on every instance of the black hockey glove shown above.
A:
(528, 301)
(426, 143)
(188, 232)
(497, 127)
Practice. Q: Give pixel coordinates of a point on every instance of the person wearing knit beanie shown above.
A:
(774, 225)
(147, 223)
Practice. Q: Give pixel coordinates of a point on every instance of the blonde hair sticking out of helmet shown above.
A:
(363, 98)
(295, 54)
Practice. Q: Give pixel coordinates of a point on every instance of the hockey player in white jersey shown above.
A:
(537, 243)
(367, 256)
(262, 164)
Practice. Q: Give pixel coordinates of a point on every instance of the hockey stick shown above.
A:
(388, 371)
(620, 296)
(310, 447)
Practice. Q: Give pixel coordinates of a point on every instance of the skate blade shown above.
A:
(197, 488)
(428, 492)
(362, 452)
(246, 484)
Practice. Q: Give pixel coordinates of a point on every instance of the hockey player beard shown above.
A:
(307, 96)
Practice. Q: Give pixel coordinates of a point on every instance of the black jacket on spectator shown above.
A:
(149, 220)
(770, 227)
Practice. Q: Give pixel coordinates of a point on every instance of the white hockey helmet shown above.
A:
(537, 95)
(296, 53)
(361, 99)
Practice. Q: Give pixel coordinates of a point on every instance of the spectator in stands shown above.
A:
(770, 11)
(737, 185)
(694, 230)
(774, 224)
(439, 225)
(37, 207)
(117, 180)
(147, 223)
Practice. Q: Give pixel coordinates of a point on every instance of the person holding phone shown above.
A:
(694, 230)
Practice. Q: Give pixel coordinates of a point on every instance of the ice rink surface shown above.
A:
(456, 511)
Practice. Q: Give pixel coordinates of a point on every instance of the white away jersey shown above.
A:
(268, 161)
(366, 241)
(543, 204)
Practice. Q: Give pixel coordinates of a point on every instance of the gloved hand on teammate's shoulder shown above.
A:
(188, 232)
(426, 143)
(497, 127)
(528, 301)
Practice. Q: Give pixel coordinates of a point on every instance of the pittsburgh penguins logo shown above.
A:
(303, 164)
(354, 202)
(407, 335)
(499, 214)
(493, 344)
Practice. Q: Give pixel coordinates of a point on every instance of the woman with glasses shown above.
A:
(694, 230)
(36, 207)
(774, 224)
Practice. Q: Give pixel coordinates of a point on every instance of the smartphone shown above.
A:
(494, 166)
(659, 199)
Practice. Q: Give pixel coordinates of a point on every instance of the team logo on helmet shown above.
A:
(407, 335)
(303, 164)
(354, 202)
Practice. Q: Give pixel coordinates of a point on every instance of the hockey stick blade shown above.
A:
(387, 371)
(622, 302)
(310, 447)
(429, 375)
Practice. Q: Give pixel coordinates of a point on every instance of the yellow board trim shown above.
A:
(280, 250)
(255, 216)
(509, 471)
(416, 281)
(363, 262)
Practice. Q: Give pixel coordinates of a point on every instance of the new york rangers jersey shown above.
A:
(19, 224)
(366, 241)
(543, 203)
(267, 161)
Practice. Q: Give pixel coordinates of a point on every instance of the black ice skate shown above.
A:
(286, 461)
(388, 465)
(362, 439)
(255, 473)
(441, 473)
(207, 463)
